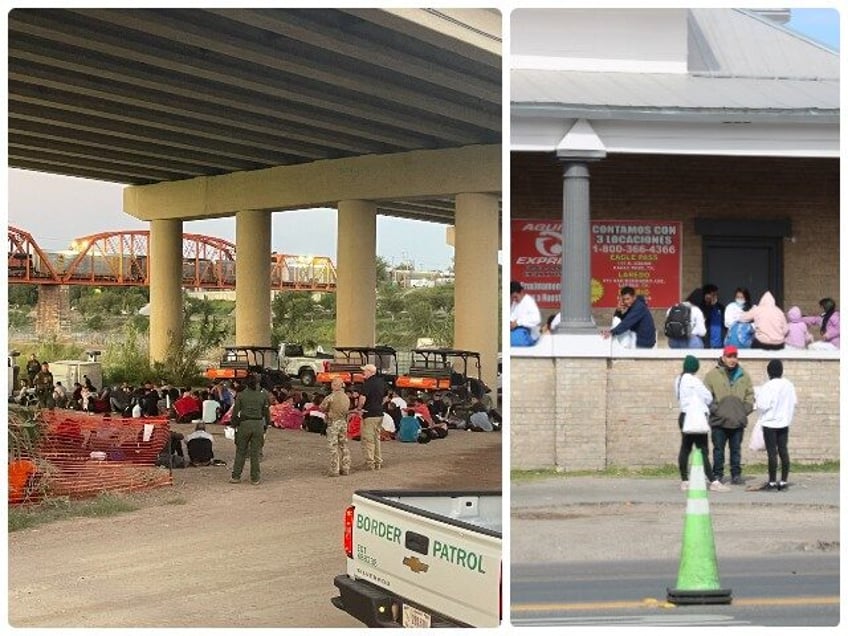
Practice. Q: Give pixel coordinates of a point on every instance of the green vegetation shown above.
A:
(110, 315)
(666, 471)
(105, 505)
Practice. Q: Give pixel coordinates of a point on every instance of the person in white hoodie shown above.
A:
(694, 398)
(776, 401)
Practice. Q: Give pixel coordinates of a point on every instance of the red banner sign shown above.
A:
(642, 254)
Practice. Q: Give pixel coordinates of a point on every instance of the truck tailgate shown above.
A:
(439, 562)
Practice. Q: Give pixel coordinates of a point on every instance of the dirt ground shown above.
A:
(208, 553)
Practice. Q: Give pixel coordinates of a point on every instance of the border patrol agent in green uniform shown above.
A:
(44, 387)
(251, 410)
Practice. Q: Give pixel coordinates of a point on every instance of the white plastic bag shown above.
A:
(229, 432)
(757, 442)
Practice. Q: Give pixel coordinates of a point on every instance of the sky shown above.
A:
(57, 209)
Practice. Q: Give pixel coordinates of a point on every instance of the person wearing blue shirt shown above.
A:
(409, 428)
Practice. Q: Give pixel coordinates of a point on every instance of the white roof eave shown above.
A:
(700, 115)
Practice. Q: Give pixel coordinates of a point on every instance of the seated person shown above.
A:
(199, 445)
(387, 428)
(210, 409)
(479, 421)
(421, 409)
(60, 395)
(186, 408)
(410, 427)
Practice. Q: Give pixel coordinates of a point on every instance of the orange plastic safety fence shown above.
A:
(81, 455)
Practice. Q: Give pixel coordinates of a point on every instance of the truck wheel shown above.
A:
(307, 377)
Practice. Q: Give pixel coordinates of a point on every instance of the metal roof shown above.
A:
(139, 96)
(738, 63)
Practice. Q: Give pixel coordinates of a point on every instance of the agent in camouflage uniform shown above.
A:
(44, 387)
(336, 405)
(250, 412)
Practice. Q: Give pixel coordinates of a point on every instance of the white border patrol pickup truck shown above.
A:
(422, 559)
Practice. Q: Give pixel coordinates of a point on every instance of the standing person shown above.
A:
(250, 412)
(33, 366)
(776, 401)
(336, 406)
(637, 318)
(694, 399)
(770, 327)
(43, 381)
(733, 400)
(713, 312)
(371, 402)
(828, 322)
(525, 320)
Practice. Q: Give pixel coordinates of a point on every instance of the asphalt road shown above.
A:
(791, 590)
(603, 550)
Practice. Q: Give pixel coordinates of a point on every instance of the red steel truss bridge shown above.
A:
(121, 258)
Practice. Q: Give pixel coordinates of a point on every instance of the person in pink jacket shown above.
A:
(828, 323)
(798, 336)
(770, 327)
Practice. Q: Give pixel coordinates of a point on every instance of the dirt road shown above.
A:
(208, 553)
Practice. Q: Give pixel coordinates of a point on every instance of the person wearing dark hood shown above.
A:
(713, 312)
(636, 318)
(733, 400)
(776, 401)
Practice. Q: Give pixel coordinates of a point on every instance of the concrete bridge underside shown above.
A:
(248, 112)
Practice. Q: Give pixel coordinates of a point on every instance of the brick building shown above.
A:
(719, 120)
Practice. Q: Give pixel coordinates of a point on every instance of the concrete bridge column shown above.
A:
(253, 278)
(476, 316)
(53, 311)
(166, 295)
(356, 274)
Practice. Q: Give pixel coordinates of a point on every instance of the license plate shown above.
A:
(414, 617)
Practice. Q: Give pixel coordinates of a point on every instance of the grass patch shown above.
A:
(176, 501)
(668, 470)
(105, 505)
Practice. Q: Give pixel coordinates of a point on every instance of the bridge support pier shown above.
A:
(253, 281)
(356, 277)
(52, 311)
(476, 243)
(166, 294)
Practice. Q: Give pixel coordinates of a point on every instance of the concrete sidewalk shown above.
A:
(596, 518)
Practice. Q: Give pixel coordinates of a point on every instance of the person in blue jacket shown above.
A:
(637, 318)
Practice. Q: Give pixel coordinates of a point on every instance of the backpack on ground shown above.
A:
(677, 323)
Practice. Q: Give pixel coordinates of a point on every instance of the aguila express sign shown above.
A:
(642, 254)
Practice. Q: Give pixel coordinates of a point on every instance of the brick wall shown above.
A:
(623, 412)
(683, 188)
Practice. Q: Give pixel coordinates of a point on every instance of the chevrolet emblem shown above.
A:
(414, 564)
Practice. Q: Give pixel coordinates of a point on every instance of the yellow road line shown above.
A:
(652, 602)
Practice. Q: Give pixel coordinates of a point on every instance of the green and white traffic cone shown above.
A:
(697, 578)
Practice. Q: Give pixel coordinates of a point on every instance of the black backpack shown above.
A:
(677, 324)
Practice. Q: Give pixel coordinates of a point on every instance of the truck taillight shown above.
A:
(348, 532)
(326, 366)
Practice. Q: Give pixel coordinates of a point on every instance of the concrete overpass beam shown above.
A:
(166, 275)
(356, 274)
(253, 282)
(476, 316)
